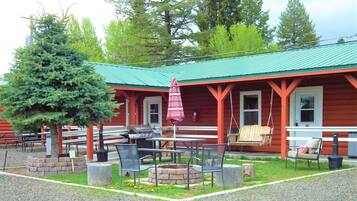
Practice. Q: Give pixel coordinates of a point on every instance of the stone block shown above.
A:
(162, 176)
(51, 160)
(64, 159)
(99, 174)
(232, 175)
(178, 176)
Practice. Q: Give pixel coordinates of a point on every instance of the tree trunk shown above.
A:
(54, 142)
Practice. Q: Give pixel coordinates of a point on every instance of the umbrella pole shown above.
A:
(174, 130)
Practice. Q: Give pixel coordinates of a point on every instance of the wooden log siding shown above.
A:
(339, 108)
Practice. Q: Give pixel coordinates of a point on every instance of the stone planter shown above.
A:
(41, 166)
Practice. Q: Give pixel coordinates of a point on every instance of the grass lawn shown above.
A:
(267, 170)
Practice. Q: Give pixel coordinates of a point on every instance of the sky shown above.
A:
(332, 19)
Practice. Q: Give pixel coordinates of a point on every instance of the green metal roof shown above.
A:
(128, 76)
(320, 58)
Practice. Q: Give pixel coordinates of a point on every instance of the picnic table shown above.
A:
(189, 143)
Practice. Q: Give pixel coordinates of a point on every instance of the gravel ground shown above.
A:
(16, 188)
(339, 186)
(334, 187)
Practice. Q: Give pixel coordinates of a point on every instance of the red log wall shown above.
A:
(339, 108)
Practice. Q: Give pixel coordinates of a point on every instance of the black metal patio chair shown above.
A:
(130, 161)
(209, 161)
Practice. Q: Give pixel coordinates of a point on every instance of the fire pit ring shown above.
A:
(174, 174)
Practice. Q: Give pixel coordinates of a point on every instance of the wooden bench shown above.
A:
(254, 135)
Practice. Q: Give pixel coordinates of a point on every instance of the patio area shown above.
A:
(268, 168)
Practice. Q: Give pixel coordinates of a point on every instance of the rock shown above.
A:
(99, 174)
(232, 175)
(248, 170)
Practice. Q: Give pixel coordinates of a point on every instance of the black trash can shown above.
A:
(335, 162)
(102, 155)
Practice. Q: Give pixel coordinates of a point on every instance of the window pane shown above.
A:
(251, 101)
(307, 116)
(250, 118)
(307, 102)
(154, 118)
(154, 108)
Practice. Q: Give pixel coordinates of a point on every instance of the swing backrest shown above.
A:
(254, 133)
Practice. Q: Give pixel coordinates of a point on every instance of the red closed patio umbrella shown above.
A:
(175, 109)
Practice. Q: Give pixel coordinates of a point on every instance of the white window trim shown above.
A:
(145, 107)
(241, 108)
(126, 112)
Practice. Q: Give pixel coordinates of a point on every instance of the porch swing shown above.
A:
(252, 135)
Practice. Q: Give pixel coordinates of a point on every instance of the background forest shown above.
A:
(164, 32)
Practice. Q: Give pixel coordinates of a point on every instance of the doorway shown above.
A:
(153, 111)
(306, 111)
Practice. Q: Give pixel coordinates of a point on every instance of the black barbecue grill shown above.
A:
(139, 133)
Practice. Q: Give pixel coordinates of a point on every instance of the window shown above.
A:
(154, 113)
(307, 108)
(250, 108)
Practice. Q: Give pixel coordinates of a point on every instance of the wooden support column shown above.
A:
(90, 142)
(220, 95)
(284, 92)
(132, 108)
(132, 96)
(351, 80)
(43, 136)
(60, 148)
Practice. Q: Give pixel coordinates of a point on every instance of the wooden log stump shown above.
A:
(248, 170)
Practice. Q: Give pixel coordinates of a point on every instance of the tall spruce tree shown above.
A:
(252, 13)
(296, 29)
(49, 84)
(160, 26)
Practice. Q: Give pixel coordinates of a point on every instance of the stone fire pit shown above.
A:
(174, 174)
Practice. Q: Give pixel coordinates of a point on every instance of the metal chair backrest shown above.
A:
(128, 157)
(213, 156)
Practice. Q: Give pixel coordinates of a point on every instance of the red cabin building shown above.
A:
(308, 87)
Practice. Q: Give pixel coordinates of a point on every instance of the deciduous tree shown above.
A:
(84, 38)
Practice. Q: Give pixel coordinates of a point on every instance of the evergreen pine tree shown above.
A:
(252, 13)
(296, 29)
(49, 84)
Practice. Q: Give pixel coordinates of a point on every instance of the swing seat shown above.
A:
(254, 135)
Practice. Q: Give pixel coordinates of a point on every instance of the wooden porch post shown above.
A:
(132, 96)
(59, 131)
(43, 136)
(351, 80)
(132, 108)
(284, 92)
(220, 95)
(90, 142)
